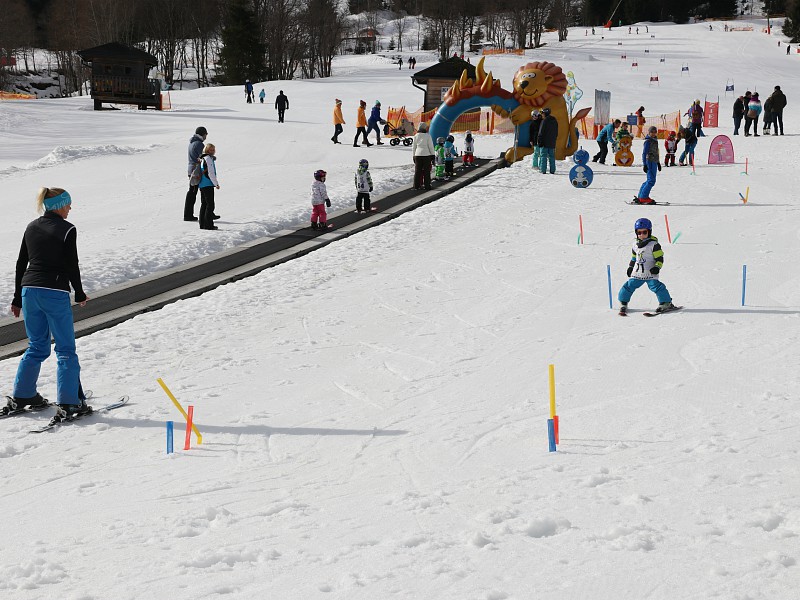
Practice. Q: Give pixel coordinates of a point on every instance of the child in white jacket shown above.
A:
(363, 181)
(319, 200)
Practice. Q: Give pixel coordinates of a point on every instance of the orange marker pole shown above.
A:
(669, 236)
(188, 443)
(580, 221)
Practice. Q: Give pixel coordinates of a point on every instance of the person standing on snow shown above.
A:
(261, 95)
(548, 135)
(651, 166)
(778, 104)
(319, 199)
(606, 135)
(423, 152)
(695, 113)
(363, 181)
(690, 140)
(282, 105)
(753, 111)
(208, 183)
(46, 267)
(374, 119)
(645, 265)
(536, 124)
(338, 121)
(195, 150)
(248, 91)
(738, 114)
(671, 147)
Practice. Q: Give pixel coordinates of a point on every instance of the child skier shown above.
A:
(439, 160)
(450, 152)
(469, 150)
(644, 267)
(623, 132)
(691, 142)
(363, 186)
(671, 146)
(651, 164)
(319, 200)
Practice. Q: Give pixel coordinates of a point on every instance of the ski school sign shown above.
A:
(711, 114)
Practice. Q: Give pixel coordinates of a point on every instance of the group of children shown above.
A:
(444, 161)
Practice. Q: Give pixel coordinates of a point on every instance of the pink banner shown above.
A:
(711, 114)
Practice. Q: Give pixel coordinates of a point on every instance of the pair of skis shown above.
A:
(653, 314)
(54, 422)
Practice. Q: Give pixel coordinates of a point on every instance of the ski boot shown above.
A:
(623, 309)
(34, 403)
(67, 412)
(665, 307)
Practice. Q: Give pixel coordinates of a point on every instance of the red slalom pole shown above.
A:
(669, 236)
(187, 444)
(580, 222)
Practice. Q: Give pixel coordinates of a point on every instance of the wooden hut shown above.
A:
(439, 78)
(120, 75)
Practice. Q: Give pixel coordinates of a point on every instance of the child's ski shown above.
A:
(28, 409)
(54, 423)
(648, 204)
(669, 310)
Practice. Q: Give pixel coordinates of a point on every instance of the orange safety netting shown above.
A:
(14, 96)
(490, 51)
(487, 122)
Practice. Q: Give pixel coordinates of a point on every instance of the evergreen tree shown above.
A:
(242, 55)
(791, 26)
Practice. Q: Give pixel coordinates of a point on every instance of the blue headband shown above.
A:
(56, 202)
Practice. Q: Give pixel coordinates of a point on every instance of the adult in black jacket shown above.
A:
(548, 134)
(46, 267)
(738, 114)
(282, 104)
(778, 104)
(195, 150)
(536, 123)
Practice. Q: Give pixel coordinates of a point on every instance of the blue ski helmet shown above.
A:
(363, 163)
(451, 139)
(643, 224)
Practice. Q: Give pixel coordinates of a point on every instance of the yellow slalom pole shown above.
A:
(180, 408)
(747, 195)
(552, 370)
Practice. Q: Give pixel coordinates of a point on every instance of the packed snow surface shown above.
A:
(374, 414)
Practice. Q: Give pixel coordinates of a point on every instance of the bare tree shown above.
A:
(400, 26)
(17, 33)
(561, 17)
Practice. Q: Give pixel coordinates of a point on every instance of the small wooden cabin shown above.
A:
(439, 78)
(120, 75)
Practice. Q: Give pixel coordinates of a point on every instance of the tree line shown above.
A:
(281, 39)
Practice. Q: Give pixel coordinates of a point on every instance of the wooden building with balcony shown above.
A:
(120, 75)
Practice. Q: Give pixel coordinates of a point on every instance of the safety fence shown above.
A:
(487, 122)
(491, 51)
(16, 96)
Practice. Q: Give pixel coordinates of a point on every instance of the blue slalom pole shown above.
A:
(744, 282)
(551, 434)
(170, 426)
(610, 297)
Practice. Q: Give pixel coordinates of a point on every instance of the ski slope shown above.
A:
(374, 414)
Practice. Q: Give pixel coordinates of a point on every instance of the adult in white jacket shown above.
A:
(423, 152)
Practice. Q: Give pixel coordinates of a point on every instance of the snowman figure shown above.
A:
(581, 175)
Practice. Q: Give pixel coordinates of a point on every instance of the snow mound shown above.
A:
(64, 154)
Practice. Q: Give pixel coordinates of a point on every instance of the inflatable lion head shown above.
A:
(538, 82)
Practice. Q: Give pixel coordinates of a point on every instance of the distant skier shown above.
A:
(439, 160)
(469, 150)
(319, 200)
(248, 91)
(261, 95)
(450, 153)
(670, 147)
(644, 267)
(688, 149)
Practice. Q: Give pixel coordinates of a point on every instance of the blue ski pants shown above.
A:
(48, 313)
(630, 286)
(647, 186)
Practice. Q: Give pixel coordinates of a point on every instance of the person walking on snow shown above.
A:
(361, 125)
(423, 152)
(47, 266)
(640, 121)
(281, 105)
(647, 260)
(338, 121)
(195, 150)
(695, 113)
(319, 200)
(363, 181)
(606, 135)
(374, 119)
(651, 166)
(548, 134)
(261, 95)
